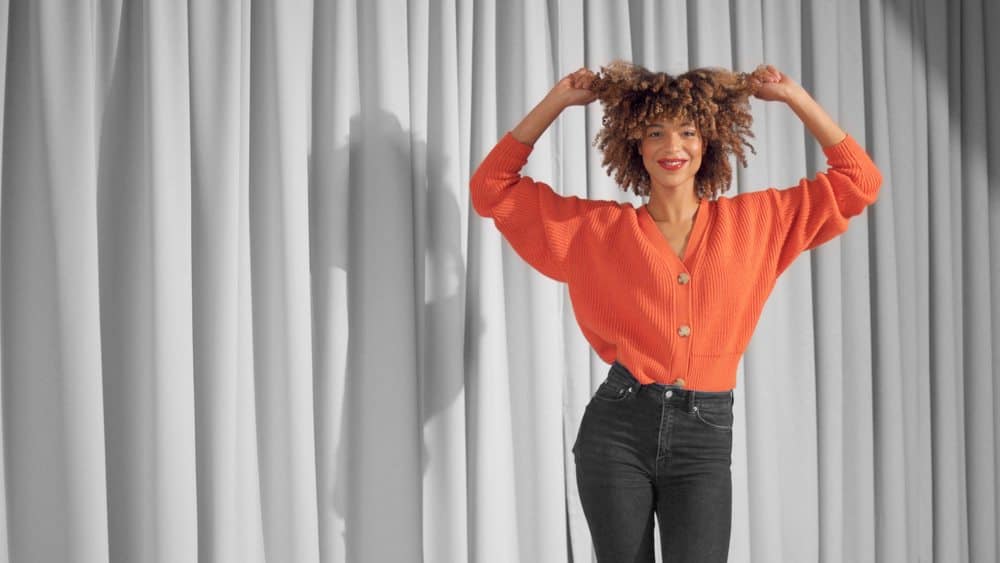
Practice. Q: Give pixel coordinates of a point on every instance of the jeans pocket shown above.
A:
(718, 420)
(609, 391)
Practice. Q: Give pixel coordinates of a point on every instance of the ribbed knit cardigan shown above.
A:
(635, 300)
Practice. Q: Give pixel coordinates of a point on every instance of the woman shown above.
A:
(668, 293)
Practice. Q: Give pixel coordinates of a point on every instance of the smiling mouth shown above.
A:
(671, 163)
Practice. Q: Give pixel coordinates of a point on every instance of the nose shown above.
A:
(674, 140)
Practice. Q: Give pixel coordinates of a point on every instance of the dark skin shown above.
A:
(671, 152)
(673, 200)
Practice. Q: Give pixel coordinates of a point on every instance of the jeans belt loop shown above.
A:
(690, 401)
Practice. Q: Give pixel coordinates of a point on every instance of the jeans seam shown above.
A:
(659, 438)
(697, 413)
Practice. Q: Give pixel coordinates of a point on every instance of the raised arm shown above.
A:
(572, 90)
(779, 87)
(537, 222)
(818, 209)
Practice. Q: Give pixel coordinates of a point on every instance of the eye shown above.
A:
(654, 133)
(690, 133)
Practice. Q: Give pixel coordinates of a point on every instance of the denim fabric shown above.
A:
(656, 449)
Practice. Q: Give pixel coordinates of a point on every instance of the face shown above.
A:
(671, 152)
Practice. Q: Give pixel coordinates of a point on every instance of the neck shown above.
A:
(672, 205)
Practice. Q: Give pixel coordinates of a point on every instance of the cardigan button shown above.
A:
(684, 330)
(683, 278)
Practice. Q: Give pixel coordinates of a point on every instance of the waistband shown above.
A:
(620, 375)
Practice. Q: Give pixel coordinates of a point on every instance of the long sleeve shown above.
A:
(537, 222)
(817, 210)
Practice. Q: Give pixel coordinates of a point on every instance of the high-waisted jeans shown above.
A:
(645, 449)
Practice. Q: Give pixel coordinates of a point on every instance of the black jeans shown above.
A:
(645, 449)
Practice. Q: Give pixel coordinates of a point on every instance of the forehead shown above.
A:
(671, 122)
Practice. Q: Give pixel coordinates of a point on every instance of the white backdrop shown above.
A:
(247, 315)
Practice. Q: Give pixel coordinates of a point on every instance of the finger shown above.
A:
(767, 73)
(581, 82)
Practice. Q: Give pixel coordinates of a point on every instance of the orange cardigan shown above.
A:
(636, 301)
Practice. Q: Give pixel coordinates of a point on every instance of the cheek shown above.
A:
(649, 167)
(644, 152)
(698, 146)
(698, 153)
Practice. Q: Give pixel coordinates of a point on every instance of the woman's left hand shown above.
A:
(775, 86)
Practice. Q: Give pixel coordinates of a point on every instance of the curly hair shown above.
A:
(717, 101)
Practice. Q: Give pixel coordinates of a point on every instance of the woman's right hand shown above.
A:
(574, 88)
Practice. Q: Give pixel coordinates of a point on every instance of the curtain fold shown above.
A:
(53, 408)
(230, 523)
(247, 313)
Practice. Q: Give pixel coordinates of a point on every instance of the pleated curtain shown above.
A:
(247, 313)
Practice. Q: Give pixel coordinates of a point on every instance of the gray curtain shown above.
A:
(246, 314)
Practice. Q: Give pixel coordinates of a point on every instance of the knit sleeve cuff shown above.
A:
(510, 152)
(849, 158)
(847, 151)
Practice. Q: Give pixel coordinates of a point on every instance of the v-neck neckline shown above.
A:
(659, 240)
